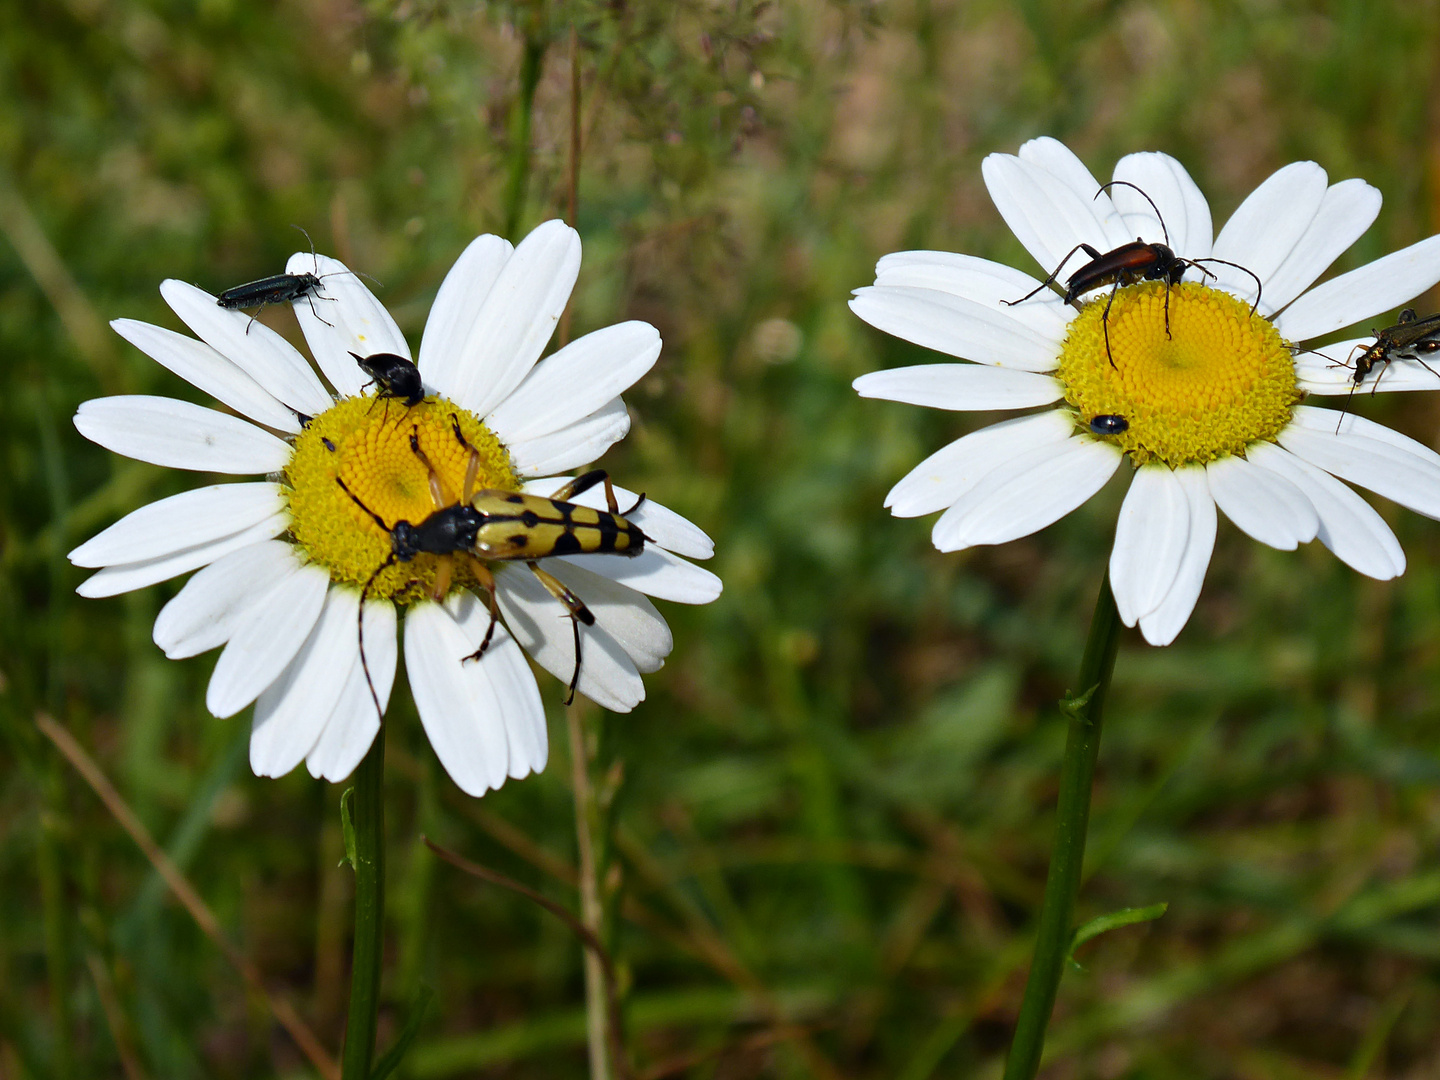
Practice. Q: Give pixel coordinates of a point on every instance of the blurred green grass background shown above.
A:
(825, 833)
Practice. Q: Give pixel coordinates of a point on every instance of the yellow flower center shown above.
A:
(1220, 380)
(402, 464)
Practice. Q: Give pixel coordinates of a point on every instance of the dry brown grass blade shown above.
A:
(287, 1017)
(81, 322)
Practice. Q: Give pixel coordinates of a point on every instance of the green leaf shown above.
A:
(1076, 706)
(386, 1065)
(347, 827)
(1104, 923)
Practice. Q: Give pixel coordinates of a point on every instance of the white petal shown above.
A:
(266, 638)
(572, 383)
(660, 524)
(991, 284)
(543, 627)
(623, 613)
(114, 580)
(357, 321)
(291, 712)
(505, 671)
(1390, 464)
(251, 345)
(949, 473)
(955, 326)
(1266, 227)
(1161, 626)
(457, 305)
(1378, 286)
(960, 386)
(1185, 213)
(655, 572)
(1023, 495)
(1056, 158)
(182, 521)
(203, 367)
(180, 435)
(458, 705)
(1346, 211)
(1349, 526)
(1049, 216)
(1320, 420)
(203, 614)
(516, 319)
(578, 444)
(1150, 540)
(1262, 504)
(353, 724)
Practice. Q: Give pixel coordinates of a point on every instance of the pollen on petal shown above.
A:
(1194, 373)
(367, 464)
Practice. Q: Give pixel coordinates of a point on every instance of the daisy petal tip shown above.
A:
(1158, 634)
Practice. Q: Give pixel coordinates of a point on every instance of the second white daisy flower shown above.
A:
(1206, 402)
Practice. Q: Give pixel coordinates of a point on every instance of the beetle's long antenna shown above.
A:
(1259, 286)
(1106, 188)
(314, 257)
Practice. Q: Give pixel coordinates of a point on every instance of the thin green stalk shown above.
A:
(368, 809)
(1067, 854)
(591, 911)
(530, 63)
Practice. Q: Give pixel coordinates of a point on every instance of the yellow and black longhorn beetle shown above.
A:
(505, 526)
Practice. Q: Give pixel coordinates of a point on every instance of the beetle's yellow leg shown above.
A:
(578, 613)
(472, 467)
(585, 482)
(437, 491)
(442, 578)
(487, 582)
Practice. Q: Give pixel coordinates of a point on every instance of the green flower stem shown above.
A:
(531, 60)
(1067, 856)
(591, 911)
(369, 825)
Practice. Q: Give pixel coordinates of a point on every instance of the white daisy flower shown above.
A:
(1208, 409)
(285, 558)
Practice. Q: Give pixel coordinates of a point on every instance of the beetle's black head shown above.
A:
(404, 541)
(445, 531)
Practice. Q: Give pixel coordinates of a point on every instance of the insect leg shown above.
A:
(487, 582)
(1054, 273)
(446, 567)
(311, 298)
(585, 482)
(1105, 319)
(437, 493)
(578, 613)
(472, 467)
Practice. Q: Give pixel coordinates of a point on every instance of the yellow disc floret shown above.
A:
(1219, 380)
(402, 464)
